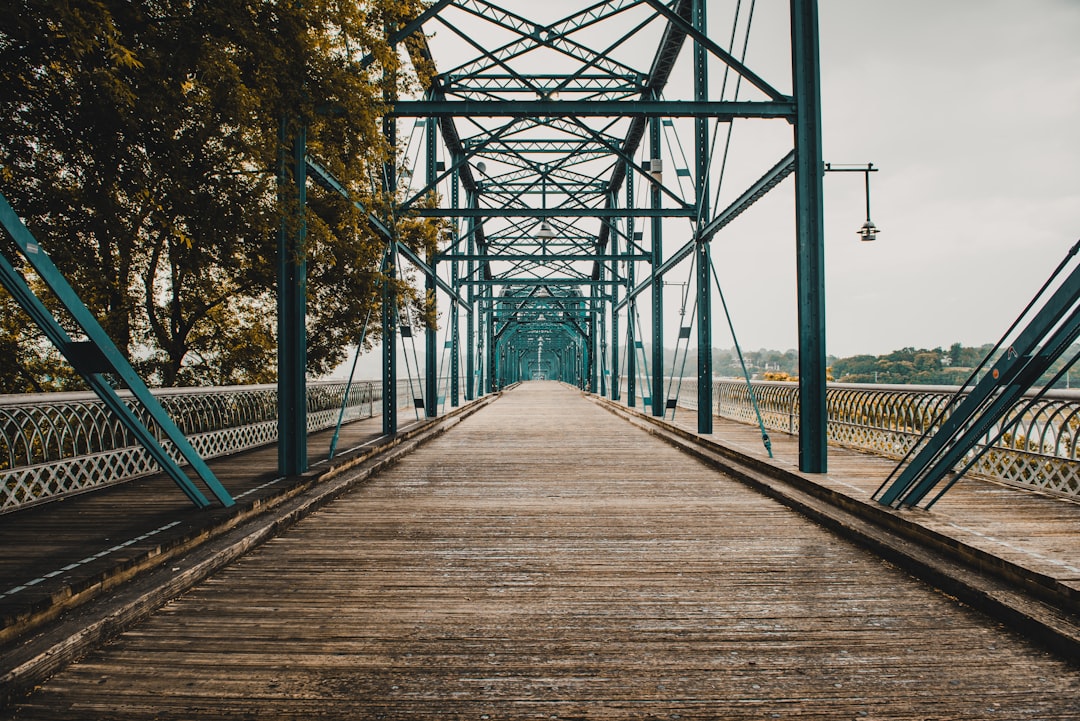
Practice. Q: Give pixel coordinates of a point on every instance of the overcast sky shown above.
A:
(971, 110)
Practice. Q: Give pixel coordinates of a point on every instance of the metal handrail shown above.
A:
(54, 445)
(1042, 453)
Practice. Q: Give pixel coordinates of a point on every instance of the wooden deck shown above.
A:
(1037, 533)
(545, 559)
(53, 554)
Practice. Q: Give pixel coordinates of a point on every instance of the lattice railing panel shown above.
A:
(61, 444)
(1040, 453)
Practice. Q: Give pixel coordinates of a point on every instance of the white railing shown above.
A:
(54, 445)
(1039, 453)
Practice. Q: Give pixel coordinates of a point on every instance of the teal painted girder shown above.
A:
(97, 357)
(292, 300)
(525, 212)
(712, 109)
(962, 430)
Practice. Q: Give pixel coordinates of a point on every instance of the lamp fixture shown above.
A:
(868, 231)
(545, 232)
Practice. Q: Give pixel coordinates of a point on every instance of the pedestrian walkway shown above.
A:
(545, 559)
(59, 554)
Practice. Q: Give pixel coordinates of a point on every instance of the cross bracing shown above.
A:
(573, 152)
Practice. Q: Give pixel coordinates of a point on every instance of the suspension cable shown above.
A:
(749, 386)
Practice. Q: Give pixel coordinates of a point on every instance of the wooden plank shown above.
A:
(1035, 531)
(59, 554)
(546, 559)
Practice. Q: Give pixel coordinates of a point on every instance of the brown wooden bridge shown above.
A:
(544, 554)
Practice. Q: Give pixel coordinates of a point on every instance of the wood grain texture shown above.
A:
(1036, 531)
(546, 560)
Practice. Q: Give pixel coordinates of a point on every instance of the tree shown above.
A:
(141, 141)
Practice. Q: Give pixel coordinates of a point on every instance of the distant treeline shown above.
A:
(919, 366)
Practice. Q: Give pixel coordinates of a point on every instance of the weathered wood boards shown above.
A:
(1035, 531)
(544, 559)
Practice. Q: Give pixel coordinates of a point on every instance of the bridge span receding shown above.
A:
(542, 557)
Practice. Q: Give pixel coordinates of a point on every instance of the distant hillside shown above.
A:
(920, 366)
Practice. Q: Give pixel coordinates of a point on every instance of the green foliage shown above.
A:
(30, 363)
(926, 366)
(140, 140)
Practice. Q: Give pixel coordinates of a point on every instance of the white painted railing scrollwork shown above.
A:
(59, 444)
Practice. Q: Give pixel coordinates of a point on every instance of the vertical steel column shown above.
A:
(631, 307)
(600, 345)
(810, 234)
(470, 321)
(614, 338)
(292, 302)
(481, 344)
(389, 296)
(431, 336)
(489, 328)
(455, 346)
(704, 282)
(658, 400)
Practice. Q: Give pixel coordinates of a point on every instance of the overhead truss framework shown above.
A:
(554, 136)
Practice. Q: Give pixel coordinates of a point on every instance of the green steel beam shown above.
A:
(697, 29)
(540, 257)
(631, 349)
(431, 278)
(1050, 331)
(470, 323)
(389, 291)
(556, 36)
(107, 358)
(657, 306)
(488, 282)
(723, 110)
(702, 158)
(750, 196)
(292, 303)
(326, 179)
(810, 238)
(684, 212)
(455, 321)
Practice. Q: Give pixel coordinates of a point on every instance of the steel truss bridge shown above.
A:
(575, 158)
(580, 163)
